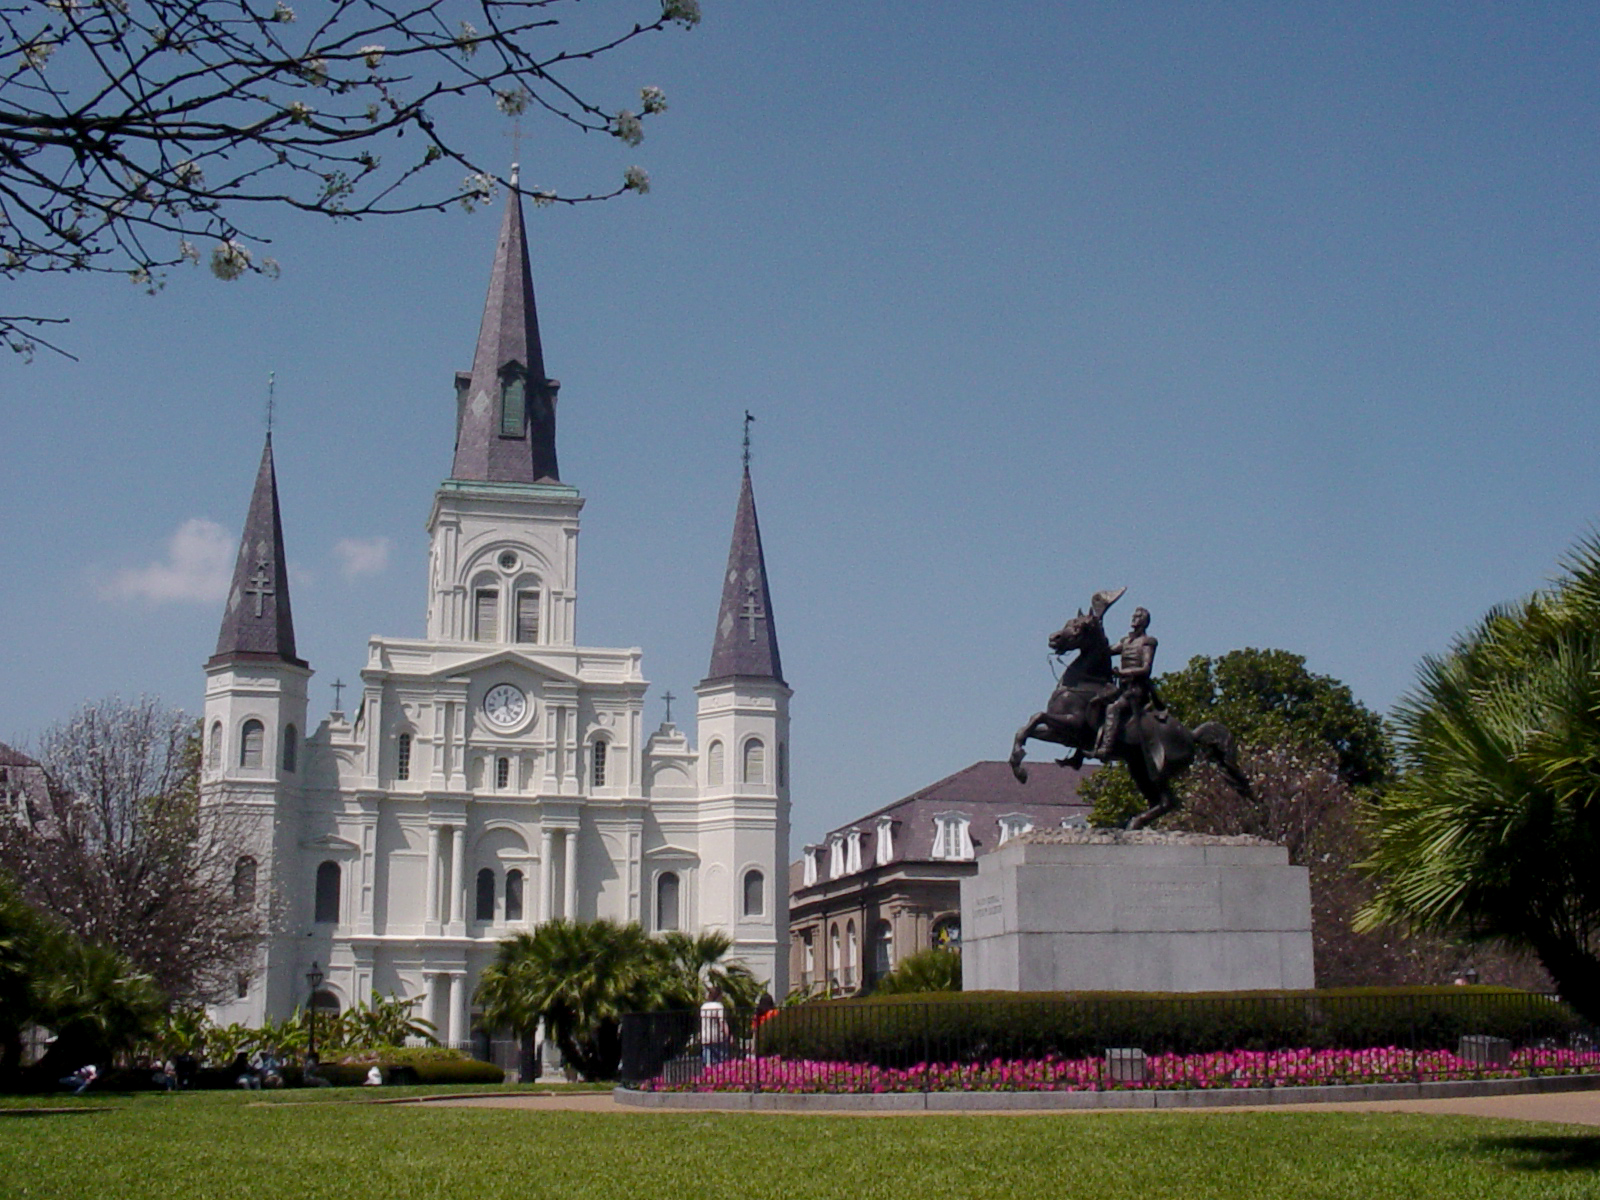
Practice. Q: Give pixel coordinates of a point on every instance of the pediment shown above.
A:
(505, 656)
(674, 853)
(331, 842)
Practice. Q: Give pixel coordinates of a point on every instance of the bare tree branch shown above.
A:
(136, 134)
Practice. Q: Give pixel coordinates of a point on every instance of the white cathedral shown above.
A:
(496, 773)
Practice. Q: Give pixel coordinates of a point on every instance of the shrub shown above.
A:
(935, 970)
(896, 1031)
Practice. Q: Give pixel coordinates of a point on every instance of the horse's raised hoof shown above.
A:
(1020, 771)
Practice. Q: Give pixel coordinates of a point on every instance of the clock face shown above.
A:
(505, 705)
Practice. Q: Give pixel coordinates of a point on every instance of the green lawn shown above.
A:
(303, 1146)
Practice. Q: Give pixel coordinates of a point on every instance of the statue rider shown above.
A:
(1132, 691)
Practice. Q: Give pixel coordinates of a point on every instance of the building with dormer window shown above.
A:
(855, 910)
(496, 773)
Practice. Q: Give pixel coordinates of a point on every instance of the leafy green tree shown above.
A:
(579, 978)
(97, 1002)
(1493, 832)
(1269, 701)
(934, 970)
(26, 943)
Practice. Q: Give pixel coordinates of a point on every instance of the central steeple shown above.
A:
(505, 407)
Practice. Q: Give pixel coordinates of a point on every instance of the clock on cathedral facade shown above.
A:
(494, 774)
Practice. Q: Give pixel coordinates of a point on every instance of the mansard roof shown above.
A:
(257, 625)
(983, 792)
(746, 641)
(508, 349)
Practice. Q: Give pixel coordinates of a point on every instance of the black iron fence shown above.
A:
(984, 1042)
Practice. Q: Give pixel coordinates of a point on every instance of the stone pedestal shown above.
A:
(1148, 912)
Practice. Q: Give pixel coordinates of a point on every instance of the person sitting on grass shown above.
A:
(80, 1079)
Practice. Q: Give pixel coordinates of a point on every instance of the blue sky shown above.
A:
(1284, 316)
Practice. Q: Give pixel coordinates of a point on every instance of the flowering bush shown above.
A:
(1217, 1069)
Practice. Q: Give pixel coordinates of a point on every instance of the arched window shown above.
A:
(882, 949)
(714, 765)
(325, 1004)
(291, 748)
(402, 757)
(947, 933)
(251, 738)
(598, 759)
(851, 953)
(485, 906)
(244, 882)
(214, 746)
(528, 616)
(502, 773)
(835, 953)
(328, 894)
(755, 893)
(755, 761)
(666, 902)
(513, 895)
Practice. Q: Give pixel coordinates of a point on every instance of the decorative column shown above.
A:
(547, 876)
(458, 1008)
(570, 903)
(458, 858)
(434, 858)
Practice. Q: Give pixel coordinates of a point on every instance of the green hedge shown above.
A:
(899, 1031)
(411, 1064)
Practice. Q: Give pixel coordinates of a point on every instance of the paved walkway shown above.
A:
(1569, 1108)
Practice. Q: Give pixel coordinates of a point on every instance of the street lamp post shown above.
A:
(314, 978)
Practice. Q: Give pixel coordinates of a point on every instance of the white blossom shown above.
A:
(373, 55)
(37, 53)
(684, 12)
(477, 189)
(189, 173)
(627, 127)
(541, 197)
(282, 13)
(188, 250)
(467, 39)
(316, 71)
(513, 102)
(636, 179)
(653, 99)
(299, 112)
(229, 260)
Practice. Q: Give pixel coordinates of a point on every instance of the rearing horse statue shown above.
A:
(1156, 747)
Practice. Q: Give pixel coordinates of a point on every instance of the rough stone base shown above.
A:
(1149, 913)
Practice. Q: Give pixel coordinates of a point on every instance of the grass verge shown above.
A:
(228, 1145)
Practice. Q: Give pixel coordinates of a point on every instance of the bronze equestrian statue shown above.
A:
(1115, 715)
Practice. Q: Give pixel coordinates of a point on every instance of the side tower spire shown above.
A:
(746, 642)
(257, 624)
(505, 406)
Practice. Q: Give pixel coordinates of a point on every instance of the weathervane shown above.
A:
(272, 387)
(747, 420)
(516, 148)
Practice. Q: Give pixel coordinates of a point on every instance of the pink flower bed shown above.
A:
(1220, 1069)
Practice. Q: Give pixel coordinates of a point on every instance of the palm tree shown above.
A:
(1493, 832)
(697, 963)
(579, 977)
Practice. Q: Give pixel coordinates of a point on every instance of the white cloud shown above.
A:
(198, 566)
(362, 556)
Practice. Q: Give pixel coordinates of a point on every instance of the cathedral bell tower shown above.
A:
(255, 723)
(743, 725)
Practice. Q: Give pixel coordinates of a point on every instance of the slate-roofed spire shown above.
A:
(257, 625)
(747, 640)
(505, 407)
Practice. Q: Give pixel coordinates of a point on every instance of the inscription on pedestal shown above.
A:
(1167, 900)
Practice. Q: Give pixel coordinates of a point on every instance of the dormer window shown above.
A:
(884, 846)
(835, 856)
(809, 865)
(852, 851)
(952, 837)
(513, 401)
(1013, 825)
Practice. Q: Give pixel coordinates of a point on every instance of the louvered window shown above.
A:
(252, 736)
(755, 761)
(513, 407)
(714, 765)
(486, 615)
(527, 616)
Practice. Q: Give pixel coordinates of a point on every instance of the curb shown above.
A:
(1131, 1099)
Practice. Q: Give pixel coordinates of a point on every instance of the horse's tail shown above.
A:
(1219, 747)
